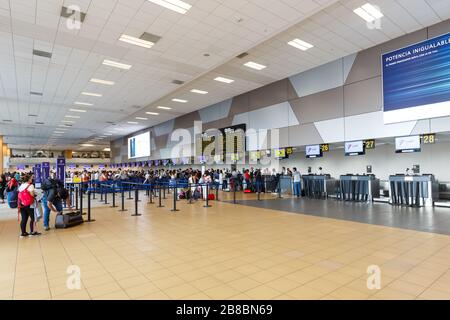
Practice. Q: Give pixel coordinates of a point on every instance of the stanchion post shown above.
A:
(175, 200)
(123, 200)
(129, 192)
(76, 198)
(160, 204)
(150, 194)
(217, 193)
(89, 207)
(234, 193)
(81, 203)
(101, 193)
(164, 192)
(106, 195)
(113, 197)
(279, 188)
(95, 189)
(207, 197)
(136, 199)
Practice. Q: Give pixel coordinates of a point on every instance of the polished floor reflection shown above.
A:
(435, 220)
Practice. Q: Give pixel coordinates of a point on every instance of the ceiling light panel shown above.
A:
(136, 41)
(179, 100)
(199, 91)
(100, 81)
(77, 110)
(90, 94)
(83, 104)
(300, 44)
(255, 65)
(174, 5)
(368, 12)
(224, 80)
(152, 113)
(118, 65)
(164, 108)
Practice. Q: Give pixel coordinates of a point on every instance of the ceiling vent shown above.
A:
(150, 37)
(68, 13)
(7, 120)
(32, 115)
(34, 93)
(242, 55)
(38, 122)
(43, 54)
(179, 82)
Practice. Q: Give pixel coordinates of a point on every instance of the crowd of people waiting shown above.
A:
(19, 187)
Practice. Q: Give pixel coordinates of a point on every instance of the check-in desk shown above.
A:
(359, 188)
(416, 191)
(318, 186)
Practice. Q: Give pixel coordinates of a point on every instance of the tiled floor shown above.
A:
(223, 252)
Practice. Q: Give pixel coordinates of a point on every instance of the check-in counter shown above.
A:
(415, 191)
(359, 188)
(318, 186)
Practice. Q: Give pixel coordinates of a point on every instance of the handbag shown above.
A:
(38, 212)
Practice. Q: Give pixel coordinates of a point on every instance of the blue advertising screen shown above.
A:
(416, 81)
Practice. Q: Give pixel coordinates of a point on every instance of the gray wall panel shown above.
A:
(319, 106)
(363, 97)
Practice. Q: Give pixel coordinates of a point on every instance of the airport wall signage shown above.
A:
(416, 81)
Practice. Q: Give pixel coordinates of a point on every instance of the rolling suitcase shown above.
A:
(68, 220)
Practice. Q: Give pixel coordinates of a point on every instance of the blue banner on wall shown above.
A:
(37, 175)
(61, 169)
(45, 172)
(416, 81)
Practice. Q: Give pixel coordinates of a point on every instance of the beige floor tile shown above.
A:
(221, 292)
(305, 293)
(262, 293)
(244, 284)
(345, 293)
(103, 289)
(433, 294)
(206, 283)
(181, 291)
(157, 295)
(74, 295)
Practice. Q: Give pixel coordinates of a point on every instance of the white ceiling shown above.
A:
(221, 28)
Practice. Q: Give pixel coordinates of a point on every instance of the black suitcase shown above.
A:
(68, 220)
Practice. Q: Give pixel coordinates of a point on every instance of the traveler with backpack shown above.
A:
(2, 187)
(25, 202)
(54, 194)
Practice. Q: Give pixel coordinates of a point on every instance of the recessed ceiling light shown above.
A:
(224, 80)
(174, 5)
(300, 44)
(91, 94)
(179, 100)
(117, 64)
(255, 65)
(368, 12)
(140, 118)
(152, 113)
(87, 145)
(77, 110)
(107, 149)
(59, 132)
(132, 122)
(199, 91)
(164, 108)
(83, 103)
(73, 117)
(136, 41)
(100, 81)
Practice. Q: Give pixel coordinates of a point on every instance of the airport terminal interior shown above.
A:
(224, 150)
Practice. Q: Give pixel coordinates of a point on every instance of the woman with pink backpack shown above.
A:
(25, 202)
